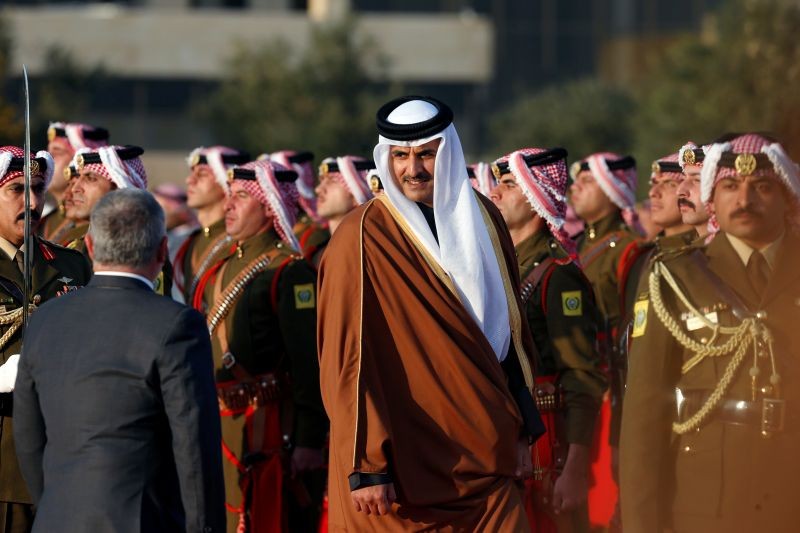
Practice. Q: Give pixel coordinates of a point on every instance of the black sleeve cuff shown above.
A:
(532, 426)
(360, 480)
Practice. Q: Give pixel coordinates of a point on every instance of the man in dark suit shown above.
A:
(115, 409)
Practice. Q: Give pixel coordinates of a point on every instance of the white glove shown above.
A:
(8, 373)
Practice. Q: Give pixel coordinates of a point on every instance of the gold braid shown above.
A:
(741, 338)
(12, 319)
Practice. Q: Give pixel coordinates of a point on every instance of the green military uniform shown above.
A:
(311, 236)
(55, 271)
(718, 473)
(565, 334)
(600, 248)
(562, 315)
(201, 250)
(262, 339)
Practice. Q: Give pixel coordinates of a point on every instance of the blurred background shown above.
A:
(640, 77)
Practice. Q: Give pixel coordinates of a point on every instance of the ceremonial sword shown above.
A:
(26, 243)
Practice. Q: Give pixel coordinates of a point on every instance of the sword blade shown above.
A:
(26, 246)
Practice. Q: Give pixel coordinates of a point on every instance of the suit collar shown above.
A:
(117, 282)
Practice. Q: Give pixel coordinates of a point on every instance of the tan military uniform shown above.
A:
(562, 316)
(600, 249)
(270, 329)
(200, 251)
(312, 238)
(716, 472)
(55, 272)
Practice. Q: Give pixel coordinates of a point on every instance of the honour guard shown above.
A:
(64, 139)
(206, 192)
(260, 304)
(710, 426)
(309, 228)
(561, 312)
(94, 173)
(693, 211)
(342, 187)
(55, 271)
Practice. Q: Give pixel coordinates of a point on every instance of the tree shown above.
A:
(742, 76)
(582, 116)
(323, 101)
(11, 127)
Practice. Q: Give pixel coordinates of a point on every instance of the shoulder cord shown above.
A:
(741, 337)
(12, 319)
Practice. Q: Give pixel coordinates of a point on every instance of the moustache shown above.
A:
(423, 176)
(745, 211)
(35, 217)
(687, 203)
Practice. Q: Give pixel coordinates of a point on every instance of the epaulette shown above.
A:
(49, 249)
(674, 253)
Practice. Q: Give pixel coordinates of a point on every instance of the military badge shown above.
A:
(571, 303)
(640, 317)
(304, 296)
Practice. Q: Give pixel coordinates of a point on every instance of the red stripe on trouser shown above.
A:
(602, 488)
(539, 492)
(262, 483)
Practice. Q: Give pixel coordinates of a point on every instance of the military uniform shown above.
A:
(563, 319)
(201, 250)
(717, 472)
(268, 332)
(55, 271)
(54, 221)
(600, 248)
(311, 236)
(635, 275)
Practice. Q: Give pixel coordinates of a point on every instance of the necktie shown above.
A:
(19, 258)
(758, 272)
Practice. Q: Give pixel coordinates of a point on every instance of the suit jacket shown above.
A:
(116, 417)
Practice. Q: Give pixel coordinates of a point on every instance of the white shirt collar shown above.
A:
(143, 279)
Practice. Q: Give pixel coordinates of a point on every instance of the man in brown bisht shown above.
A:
(426, 362)
(206, 191)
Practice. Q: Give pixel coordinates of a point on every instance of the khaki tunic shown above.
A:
(201, 250)
(723, 476)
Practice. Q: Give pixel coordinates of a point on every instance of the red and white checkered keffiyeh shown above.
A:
(75, 139)
(306, 177)
(7, 153)
(749, 143)
(619, 186)
(544, 186)
(671, 158)
(280, 198)
(483, 181)
(124, 174)
(355, 181)
(214, 162)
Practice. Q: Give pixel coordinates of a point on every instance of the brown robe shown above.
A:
(411, 385)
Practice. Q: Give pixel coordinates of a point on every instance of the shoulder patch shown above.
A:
(571, 303)
(304, 296)
(640, 317)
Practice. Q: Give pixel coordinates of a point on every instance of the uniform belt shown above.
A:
(6, 403)
(548, 395)
(741, 412)
(237, 396)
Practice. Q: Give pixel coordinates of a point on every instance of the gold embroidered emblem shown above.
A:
(304, 296)
(640, 317)
(571, 303)
(745, 164)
